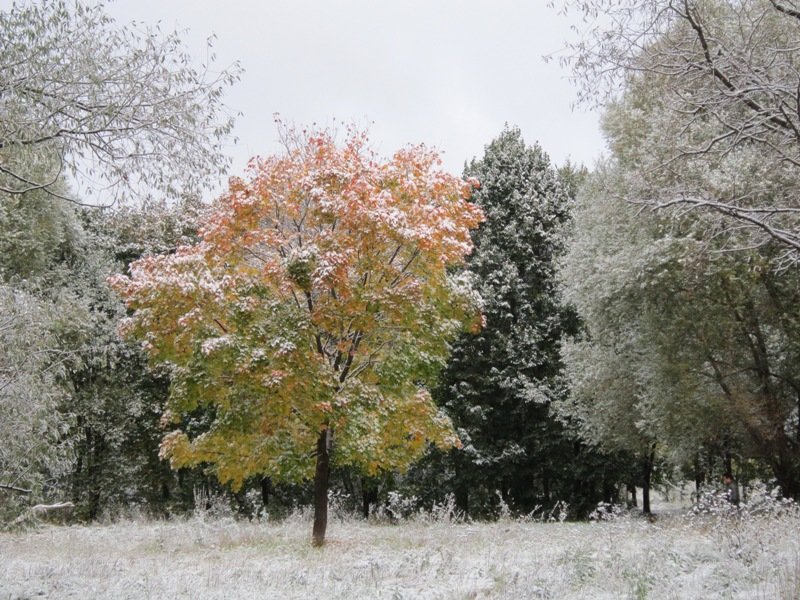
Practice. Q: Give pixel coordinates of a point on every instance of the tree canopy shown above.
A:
(314, 312)
(500, 382)
(707, 92)
(118, 107)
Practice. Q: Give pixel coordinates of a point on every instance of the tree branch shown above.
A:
(13, 488)
(785, 9)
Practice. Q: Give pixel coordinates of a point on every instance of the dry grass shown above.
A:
(627, 558)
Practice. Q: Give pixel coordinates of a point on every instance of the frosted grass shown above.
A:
(673, 558)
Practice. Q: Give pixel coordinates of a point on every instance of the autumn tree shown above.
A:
(117, 107)
(308, 322)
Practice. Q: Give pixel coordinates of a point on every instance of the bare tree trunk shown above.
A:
(647, 476)
(632, 495)
(266, 487)
(321, 478)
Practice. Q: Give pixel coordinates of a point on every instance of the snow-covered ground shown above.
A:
(673, 557)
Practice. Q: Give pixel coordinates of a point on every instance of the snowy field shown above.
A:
(674, 557)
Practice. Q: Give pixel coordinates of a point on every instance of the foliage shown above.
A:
(114, 400)
(115, 106)
(686, 348)
(500, 382)
(316, 303)
(691, 310)
(80, 408)
(35, 238)
(706, 93)
(31, 427)
(37, 235)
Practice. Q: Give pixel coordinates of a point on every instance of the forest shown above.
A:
(516, 338)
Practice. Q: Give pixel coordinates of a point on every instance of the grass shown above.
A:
(675, 557)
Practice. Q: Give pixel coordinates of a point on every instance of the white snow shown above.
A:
(674, 557)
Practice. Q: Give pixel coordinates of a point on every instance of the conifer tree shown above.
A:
(500, 382)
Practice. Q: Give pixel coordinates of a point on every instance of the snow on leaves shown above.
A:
(318, 298)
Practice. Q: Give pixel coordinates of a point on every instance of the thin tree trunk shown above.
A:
(699, 477)
(266, 486)
(647, 475)
(646, 494)
(632, 491)
(321, 478)
(727, 458)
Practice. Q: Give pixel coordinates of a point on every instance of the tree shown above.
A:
(610, 366)
(79, 410)
(500, 382)
(114, 400)
(688, 350)
(711, 96)
(35, 236)
(312, 315)
(732, 331)
(117, 107)
(31, 456)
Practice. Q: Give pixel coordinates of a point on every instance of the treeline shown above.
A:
(642, 320)
(83, 409)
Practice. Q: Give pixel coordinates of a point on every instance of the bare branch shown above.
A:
(13, 488)
(112, 105)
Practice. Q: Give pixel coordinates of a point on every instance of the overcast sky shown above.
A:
(447, 73)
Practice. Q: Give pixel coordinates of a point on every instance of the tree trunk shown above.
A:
(266, 486)
(632, 491)
(321, 477)
(369, 495)
(699, 477)
(646, 495)
(647, 475)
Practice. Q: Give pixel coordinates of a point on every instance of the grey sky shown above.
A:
(447, 73)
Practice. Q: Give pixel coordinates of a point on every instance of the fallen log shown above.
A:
(53, 513)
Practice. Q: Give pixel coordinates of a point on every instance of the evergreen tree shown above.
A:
(500, 382)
